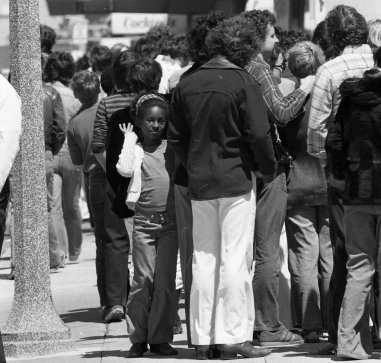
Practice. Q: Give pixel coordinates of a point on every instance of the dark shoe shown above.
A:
(73, 259)
(177, 327)
(328, 349)
(279, 338)
(162, 349)
(311, 336)
(246, 349)
(202, 352)
(137, 350)
(113, 314)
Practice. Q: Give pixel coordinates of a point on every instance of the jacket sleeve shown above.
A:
(59, 124)
(74, 148)
(321, 111)
(100, 128)
(335, 142)
(10, 127)
(256, 129)
(178, 130)
(283, 108)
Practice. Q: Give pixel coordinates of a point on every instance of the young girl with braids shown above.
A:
(146, 161)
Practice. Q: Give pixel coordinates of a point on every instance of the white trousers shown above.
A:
(221, 299)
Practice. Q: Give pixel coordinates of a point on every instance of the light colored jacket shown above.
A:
(10, 127)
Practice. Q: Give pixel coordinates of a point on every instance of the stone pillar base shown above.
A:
(34, 348)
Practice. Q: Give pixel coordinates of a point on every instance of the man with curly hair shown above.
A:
(348, 33)
(220, 133)
(272, 197)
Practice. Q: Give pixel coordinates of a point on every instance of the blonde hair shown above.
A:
(374, 37)
(304, 58)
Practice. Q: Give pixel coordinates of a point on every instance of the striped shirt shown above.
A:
(282, 108)
(107, 106)
(326, 94)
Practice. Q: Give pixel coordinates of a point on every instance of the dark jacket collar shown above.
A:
(220, 62)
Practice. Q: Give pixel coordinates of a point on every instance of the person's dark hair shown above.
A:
(145, 75)
(151, 44)
(82, 63)
(260, 19)
(100, 58)
(177, 48)
(235, 39)
(116, 49)
(60, 67)
(346, 27)
(121, 69)
(197, 35)
(47, 38)
(85, 85)
(320, 37)
(288, 38)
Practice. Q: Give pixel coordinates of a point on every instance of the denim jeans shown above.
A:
(116, 249)
(97, 194)
(184, 222)
(65, 207)
(340, 257)
(152, 304)
(362, 224)
(55, 248)
(270, 216)
(310, 263)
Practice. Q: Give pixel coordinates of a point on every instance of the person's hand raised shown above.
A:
(307, 83)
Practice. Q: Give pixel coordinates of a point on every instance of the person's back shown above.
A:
(219, 159)
(54, 119)
(354, 142)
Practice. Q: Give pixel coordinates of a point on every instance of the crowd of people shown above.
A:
(213, 141)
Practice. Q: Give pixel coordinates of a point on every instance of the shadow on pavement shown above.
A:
(105, 354)
(97, 337)
(4, 276)
(92, 315)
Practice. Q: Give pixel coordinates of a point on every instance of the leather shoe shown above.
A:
(162, 349)
(113, 314)
(246, 349)
(137, 350)
(202, 352)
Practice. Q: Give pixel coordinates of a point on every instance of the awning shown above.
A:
(63, 7)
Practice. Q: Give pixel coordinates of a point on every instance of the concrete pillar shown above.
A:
(33, 327)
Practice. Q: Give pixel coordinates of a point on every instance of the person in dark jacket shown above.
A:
(354, 147)
(220, 133)
(54, 132)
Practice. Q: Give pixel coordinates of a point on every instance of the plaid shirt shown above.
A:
(326, 95)
(282, 108)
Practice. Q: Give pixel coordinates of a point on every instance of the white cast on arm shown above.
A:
(10, 127)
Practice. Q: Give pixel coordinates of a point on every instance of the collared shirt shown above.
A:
(283, 108)
(326, 95)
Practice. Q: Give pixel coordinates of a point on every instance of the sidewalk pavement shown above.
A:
(76, 300)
